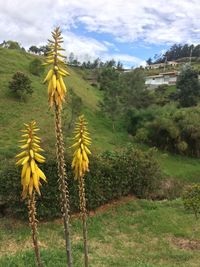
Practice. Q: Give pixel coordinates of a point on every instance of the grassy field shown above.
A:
(181, 168)
(127, 234)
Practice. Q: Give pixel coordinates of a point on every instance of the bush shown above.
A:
(112, 175)
(36, 67)
(20, 85)
(188, 86)
(175, 130)
(191, 199)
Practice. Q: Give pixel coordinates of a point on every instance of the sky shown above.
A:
(130, 31)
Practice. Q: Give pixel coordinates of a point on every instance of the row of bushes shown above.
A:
(168, 128)
(112, 175)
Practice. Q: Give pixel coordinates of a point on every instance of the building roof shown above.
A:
(154, 76)
(169, 73)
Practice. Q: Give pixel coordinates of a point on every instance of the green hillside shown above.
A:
(13, 112)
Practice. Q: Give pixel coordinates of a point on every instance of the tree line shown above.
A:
(41, 50)
(175, 52)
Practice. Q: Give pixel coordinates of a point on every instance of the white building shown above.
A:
(168, 78)
(162, 65)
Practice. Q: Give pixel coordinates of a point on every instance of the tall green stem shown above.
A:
(33, 225)
(84, 217)
(63, 186)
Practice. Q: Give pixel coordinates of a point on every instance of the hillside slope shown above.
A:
(13, 112)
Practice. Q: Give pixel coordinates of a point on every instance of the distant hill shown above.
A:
(177, 52)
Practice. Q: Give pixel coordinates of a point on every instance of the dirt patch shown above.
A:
(112, 204)
(186, 244)
(101, 209)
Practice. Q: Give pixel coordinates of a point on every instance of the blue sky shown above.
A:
(140, 49)
(130, 31)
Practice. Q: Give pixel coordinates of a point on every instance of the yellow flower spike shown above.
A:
(56, 86)
(29, 158)
(80, 161)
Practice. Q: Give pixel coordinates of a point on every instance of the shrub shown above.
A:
(188, 86)
(141, 135)
(36, 67)
(175, 130)
(112, 175)
(191, 199)
(20, 85)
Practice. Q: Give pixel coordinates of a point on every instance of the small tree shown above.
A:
(20, 85)
(76, 106)
(44, 49)
(188, 87)
(110, 84)
(34, 49)
(36, 67)
(191, 199)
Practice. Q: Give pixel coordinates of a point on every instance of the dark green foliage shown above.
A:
(179, 51)
(175, 130)
(122, 92)
(20, 85)
(111, 176)
(34, 49)
(191, 199)
(11, 45)
(133, 92)
(161, 95)
(188, 87)
(76, 105)
(110, 84)
(36, 67)
(136, 119)
(39, 50)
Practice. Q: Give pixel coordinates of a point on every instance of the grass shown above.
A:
(182, 168)
(135, 233)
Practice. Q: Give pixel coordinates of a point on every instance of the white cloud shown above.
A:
(128, 60)
(84, 48)
(155, 22)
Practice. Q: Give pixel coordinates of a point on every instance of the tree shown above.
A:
(71, 58)
(20, 85)
(134, 93)
(36, 67)
(191, 199)
(34, 49)
(119, 66)
(188, 86)
(110, 84)
(11, 45)
(44, 50)
(76, 106)
(110, 63)
(149, 61)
